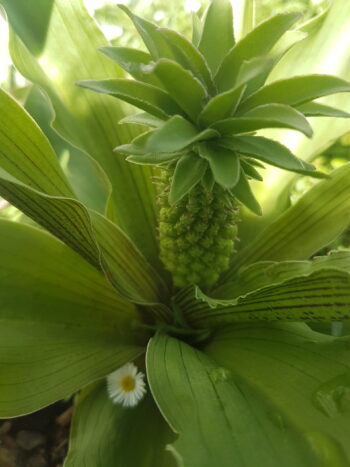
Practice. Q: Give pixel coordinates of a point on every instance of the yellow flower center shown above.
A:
(127, 383)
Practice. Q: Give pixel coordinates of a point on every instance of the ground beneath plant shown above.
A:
(36, 440)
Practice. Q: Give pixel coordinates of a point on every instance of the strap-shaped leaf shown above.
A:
(182, 86)
(23, 143)
(26, 153)
(146, 97)
(265, 116)
(143, 118)
(223, 162)
(217, 34)
(62, 324)
(176, 134)
(189, 57)
(299, 375)
(267, 273)
(256, 43)
(271, 152)
(188, 172)
(218, 419)
(318, 217)
(150, 35)
(250, 171)
(85, 174)
(295, 91)
(285, 114)
(255, 72)
(322, 296)
(105, 433)
(133, 61)
(69, 220)
(154, 158)
(197, 28)
(87, 120)
(314, 109)
(21, 15)
(225, 104)
(123, 264)
(65, 218)
(136, 147)
(244, 194)
(221, 106)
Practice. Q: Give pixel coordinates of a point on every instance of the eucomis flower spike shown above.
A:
(204, 100)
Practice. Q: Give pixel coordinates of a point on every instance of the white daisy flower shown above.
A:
(126, 386)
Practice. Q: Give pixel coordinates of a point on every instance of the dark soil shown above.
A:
(36, 440)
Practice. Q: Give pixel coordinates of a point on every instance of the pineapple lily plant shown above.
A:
(127, 290)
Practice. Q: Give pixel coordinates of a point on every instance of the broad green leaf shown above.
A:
(176, 134)
(269, 151)
(295, 91)
(267, 273)
(302, 378)
(218, 418)
(189, 57)
(217, 34)
(34, 182)
(88, 180)
(186, 90)
(266, 116)
(62, 324)
(150, 35)
(89, 121)
(143, 118)
(65, 218)
(188, 172)
(314, 109)
(26, 153)
(223, 162)
(256, 43)
(145, 96)
(124, 265)
(244, 194)
(70, 221)
(313, 222)
(35, 194)
(30, 26)
(322, 296)
(109, 435)
(133, 61)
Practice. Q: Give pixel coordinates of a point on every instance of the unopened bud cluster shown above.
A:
(197, 234)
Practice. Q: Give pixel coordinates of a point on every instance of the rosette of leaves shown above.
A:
(204, 100)
(82, 292)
